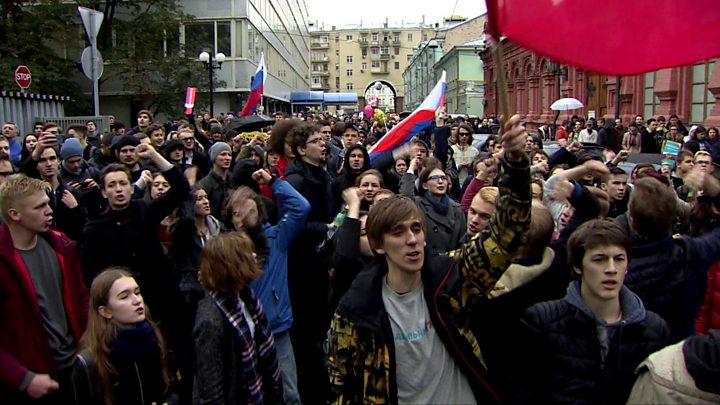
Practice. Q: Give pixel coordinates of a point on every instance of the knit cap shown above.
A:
(216, 149)
(70, 148)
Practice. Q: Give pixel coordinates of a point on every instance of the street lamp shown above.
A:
(207, 61)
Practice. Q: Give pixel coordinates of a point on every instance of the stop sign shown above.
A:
(23, 77)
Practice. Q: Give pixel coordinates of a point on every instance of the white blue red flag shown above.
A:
(256, 89)
(420, 119)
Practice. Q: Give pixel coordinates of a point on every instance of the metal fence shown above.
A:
(101, 122)
(23, 108)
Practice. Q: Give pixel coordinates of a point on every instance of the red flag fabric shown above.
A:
(615, 37)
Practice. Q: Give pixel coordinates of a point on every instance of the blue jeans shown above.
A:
(286, 359)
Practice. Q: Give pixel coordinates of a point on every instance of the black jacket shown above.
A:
(569, 356)
(140, 381)
(129, 238)
(670, 276)
(308, 280)
(347, 259)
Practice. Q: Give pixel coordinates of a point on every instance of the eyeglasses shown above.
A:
(702, 162)
(6, 174)
(316, 140)
(464, 133)
(187, 139)
(438, 178)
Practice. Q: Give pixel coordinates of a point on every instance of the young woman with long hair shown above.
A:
(122, 355)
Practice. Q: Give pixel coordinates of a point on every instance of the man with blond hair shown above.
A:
(43, 299)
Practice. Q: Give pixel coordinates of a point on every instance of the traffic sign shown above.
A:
(23, 77)
(86, 63)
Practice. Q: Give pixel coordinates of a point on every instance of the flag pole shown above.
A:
(502, 88)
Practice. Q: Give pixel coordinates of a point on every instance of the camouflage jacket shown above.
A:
(362, 353)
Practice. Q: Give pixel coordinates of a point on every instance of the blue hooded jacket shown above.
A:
(272, 286)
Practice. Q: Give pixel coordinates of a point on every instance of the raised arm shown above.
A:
(486, 256)
(294, 207)
(179, 186)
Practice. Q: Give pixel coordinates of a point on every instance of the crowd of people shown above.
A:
(195, 262)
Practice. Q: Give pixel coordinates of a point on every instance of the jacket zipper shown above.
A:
(137, 372)
(452, 340)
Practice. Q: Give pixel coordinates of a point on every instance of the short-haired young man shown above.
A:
(615, 185)
(9, 131)
(43, 299)
(669, 274)
(684, 164)
(144, 119)
(80, 132)
(586, 346)
(44, 164)
(308, 279)
(217, 183)
(126, 234)
(156, 133)
(402, 334)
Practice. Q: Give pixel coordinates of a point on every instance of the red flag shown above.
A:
(615, 37)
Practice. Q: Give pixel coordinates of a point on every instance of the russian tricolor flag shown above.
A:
(420, 119)
(256, 89)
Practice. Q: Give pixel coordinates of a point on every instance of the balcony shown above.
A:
(319, 45)
(375, 56)
(319, 86)
(364, 43)
(384, 56)
(319, 59)
(385, 43)
(379, 71)
(320, 73)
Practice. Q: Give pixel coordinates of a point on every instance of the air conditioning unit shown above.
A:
(362, 70)
(392, 56)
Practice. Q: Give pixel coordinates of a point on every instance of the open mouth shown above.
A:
(414, 255)
(610, 284)
(140, 310)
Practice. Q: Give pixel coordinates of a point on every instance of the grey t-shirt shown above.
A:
(46, 275)
(425, 371)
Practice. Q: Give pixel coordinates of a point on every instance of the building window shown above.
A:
(374, 36)
(337, 82)
(409, 57)
(702, 100)
(348, 72)
(337, 66)
(364, 53)
(410, 37)
(384, 50)
(650, 102)
(316, 80)
(363, 65)
(337, 52)
(397, 65)
(424, 37)
(396, 37)
(348, 59)
(374, 51)
(397, 50)
(349, 86)
(337, 39)
(209, 36)
(348, 37)
(363, 38)
(375, 64)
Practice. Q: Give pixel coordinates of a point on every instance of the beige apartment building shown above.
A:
(367, 61)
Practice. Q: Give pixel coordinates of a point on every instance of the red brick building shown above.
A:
(688, 91)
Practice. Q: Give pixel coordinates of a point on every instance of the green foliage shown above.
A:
(23, 41)
(139, 41)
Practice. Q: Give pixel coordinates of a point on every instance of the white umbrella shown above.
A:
(565, 104)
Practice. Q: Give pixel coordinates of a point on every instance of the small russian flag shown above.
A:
(420, 119)
(256, 89)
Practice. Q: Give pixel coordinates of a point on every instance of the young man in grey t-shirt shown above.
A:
(401, 334)
(43, 299)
